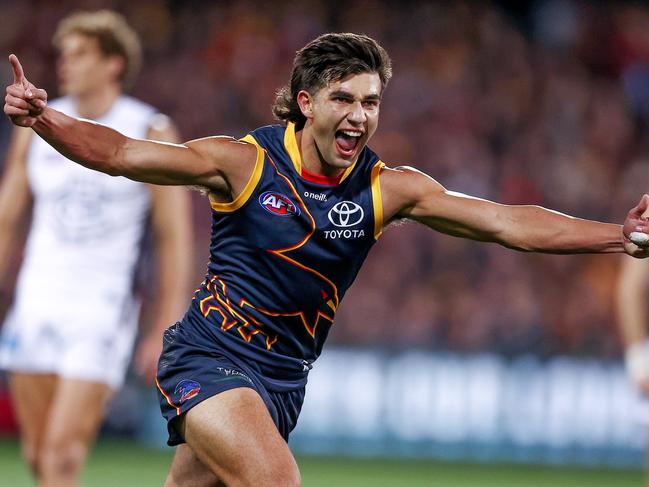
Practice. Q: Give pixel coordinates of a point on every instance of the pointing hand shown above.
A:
(24, 103)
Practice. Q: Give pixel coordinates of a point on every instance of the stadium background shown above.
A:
(443, 348)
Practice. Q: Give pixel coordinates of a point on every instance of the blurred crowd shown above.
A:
(544, 103)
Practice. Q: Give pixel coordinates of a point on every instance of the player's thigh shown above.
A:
(233, 434)
(187, 470)
(76, 413)
(32, 396)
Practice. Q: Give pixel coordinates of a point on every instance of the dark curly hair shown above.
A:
(326, 59)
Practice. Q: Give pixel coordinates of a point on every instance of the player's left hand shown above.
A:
(147, 355)
(636, 222)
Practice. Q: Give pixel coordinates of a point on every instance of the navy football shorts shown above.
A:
(189, 373)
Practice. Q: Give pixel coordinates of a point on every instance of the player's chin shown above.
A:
(343, 162)
(345, 158)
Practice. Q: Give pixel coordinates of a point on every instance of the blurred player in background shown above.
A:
(633, 315)
(296, 208)
(68, 338)
(632, 294)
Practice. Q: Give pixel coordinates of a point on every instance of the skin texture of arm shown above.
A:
(15, 197)
(409, 193)
(172, 232)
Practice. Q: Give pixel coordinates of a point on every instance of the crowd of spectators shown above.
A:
(546, 104)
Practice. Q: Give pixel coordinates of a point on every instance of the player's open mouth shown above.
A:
(347, 141)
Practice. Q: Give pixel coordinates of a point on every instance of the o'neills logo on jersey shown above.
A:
(345, 214)
(278, 204)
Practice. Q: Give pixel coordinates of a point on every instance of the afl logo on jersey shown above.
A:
(278, 204)
(346, 214)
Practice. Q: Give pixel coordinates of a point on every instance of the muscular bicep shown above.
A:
(527, 228)
(410, 194)
(217, 163)
(166, 163)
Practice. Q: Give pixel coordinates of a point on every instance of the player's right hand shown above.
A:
(146, 357)
(24, 103)
(636, 222)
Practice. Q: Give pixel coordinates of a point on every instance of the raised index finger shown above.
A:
(19, 75)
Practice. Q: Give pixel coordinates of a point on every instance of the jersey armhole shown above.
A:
(250, 186)
(377, 201)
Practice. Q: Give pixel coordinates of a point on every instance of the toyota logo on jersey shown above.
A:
(346, 214)
(278, 204)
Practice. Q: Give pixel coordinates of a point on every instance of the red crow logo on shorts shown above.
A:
(187, 389)
(278, 204)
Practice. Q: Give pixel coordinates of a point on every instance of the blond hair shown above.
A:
(114, 37)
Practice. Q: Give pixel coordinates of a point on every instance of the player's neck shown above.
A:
(312, 160)
(96, 104)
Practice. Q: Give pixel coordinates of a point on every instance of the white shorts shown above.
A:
(78, 339)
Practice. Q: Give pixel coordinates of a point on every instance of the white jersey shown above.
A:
(87, 226)
(77, 275)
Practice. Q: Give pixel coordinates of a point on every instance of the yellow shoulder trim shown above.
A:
(250, 139)
(348, 171)
(377, 201)
(244, 196)
(290, 143)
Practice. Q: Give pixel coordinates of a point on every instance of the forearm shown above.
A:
(536, 229)
(90, 144)
(171, 218)
(174, 268)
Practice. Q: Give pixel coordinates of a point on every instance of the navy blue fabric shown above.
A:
(188, 374)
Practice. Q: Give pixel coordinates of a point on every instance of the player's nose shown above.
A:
(357, 113)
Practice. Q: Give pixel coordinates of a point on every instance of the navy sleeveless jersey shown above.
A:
(284, 253)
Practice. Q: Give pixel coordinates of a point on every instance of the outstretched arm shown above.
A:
(408, 193)
(220, 164)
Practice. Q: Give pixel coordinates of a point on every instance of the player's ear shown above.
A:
(116, 66)
(305, 102)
